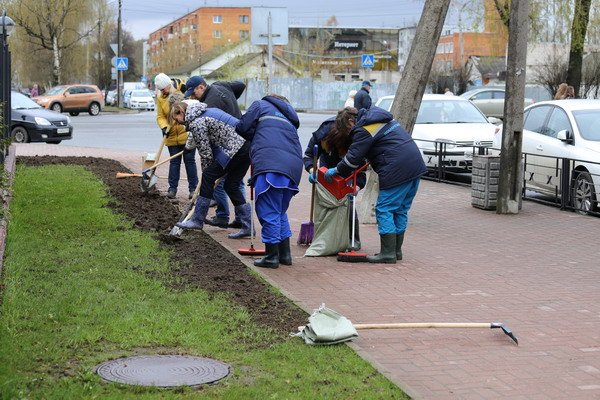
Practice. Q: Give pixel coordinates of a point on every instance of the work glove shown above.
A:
(330, 173)
(164, 131)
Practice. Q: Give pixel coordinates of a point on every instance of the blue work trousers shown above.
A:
(392, 207)
(175, 167)
(271, 210)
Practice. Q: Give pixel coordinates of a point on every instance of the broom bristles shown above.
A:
(307, 233)
(352, 256)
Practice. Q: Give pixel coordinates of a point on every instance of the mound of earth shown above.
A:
(198, 260)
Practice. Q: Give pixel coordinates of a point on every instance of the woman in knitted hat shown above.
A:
(176, 136)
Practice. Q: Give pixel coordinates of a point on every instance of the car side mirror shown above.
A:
(564, 136)
(494, 120)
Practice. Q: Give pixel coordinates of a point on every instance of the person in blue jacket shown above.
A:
(397, 160)
(362, 98)
(271, 126)
(223, 153)
(333, 139)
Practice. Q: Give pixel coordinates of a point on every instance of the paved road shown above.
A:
(138, 132)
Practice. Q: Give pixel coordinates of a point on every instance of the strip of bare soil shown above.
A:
(198, 260)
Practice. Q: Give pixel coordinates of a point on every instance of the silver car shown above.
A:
(490, 101)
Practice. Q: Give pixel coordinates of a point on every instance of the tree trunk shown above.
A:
(581, 19)
(56, 64)
(418, 66)
(510, 184)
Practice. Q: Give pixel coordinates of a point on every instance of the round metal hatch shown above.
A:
(163, 370)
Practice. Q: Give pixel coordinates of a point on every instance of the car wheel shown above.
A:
(584, 197)
(56, 107)
(57, 142)
(19, 135)
(94, 109)
(73, 113)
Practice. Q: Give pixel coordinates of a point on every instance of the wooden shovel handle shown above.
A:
(164, 161)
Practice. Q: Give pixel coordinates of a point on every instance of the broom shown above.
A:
(307, 229)
(252, 251)
(352, 255)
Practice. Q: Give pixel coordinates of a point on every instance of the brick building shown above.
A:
(197, 37)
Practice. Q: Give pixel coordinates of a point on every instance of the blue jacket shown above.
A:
(271, 126)
(362, 99)
(392, 152)
(327, 158)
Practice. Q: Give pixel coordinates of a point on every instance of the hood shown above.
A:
(373, 115)
(237, 87)
(285, 109)
(194, 111)
(321, 132)
(30, 114)
(465, 134)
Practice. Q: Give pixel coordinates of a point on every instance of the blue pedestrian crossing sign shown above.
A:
(368, 60)
(122, 63)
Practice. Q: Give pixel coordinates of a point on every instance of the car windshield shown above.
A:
(588, 122)
(386, 104)
(55, 90)
(449, 112)
(141, 93)
(21, 102)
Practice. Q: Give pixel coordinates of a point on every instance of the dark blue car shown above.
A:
(31, 123)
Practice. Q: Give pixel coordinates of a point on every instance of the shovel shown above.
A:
(187, 213)
(327, 326)
(149, 179)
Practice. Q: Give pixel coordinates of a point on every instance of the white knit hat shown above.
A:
(161, 81)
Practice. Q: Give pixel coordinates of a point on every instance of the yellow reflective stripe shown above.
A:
(373, 129)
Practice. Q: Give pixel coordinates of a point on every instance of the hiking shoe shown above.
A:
(217, 221)
(235, 224)
(171, 193)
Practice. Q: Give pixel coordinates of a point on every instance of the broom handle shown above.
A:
(401, 325)
(314, 186)
(251, 210)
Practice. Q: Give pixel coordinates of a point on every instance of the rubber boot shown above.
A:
(285, 253)
(271, 259)
(399, 241)
(387, 255)
(197, 220)
(218, 221)
(243, 214)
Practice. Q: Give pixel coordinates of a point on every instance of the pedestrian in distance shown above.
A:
(570, 92)
(362, 99)
(333, 140)
(448, 92)
(176, 136)
(350, 100)
(271, 126)
(395, 157)
(561, 92)
(221, 95)
(34, 92)
(223, 154)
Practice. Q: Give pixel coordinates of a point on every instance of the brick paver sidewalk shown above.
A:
(538, 272)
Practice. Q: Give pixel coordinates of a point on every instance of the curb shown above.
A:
(9, 169)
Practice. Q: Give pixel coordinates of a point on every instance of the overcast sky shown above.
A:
(141, 17)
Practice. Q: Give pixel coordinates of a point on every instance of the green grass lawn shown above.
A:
(82, 286)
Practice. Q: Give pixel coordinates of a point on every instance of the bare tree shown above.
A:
(590, 76)
(462, 76)
(551, 73)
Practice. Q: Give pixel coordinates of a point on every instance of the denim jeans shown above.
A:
(234, 175)
(222, 200)
(189, 159)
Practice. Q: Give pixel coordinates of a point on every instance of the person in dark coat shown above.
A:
(271, 125)
(397, 160)
(362, 99)
(332, 140)
(221, 95)
(223, 153)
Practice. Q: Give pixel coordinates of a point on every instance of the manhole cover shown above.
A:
(163, 371)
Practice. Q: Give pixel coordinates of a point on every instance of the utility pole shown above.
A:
(510, 184)
(119, 73)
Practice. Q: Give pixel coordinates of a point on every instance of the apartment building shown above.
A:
(196, 37)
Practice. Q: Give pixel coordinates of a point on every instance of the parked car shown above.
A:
(490, 101)
(126, 96)
(111, 98)
(563, 129)
(449, 121)
(141, 100)
(29, 122)
(72, 98)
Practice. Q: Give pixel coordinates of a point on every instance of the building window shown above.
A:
(244, 19)
(244, 34)
(217, 34)
(217, 19)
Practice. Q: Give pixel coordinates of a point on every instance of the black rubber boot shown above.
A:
(387, 255)
(285, 253)
(217, 221)
(399, 241)
(271, 260)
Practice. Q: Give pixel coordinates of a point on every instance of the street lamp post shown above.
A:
(7, 26)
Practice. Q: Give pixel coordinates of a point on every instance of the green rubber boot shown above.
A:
(387, 255)
(399, 241)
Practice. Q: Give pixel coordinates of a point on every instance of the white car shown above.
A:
(557, 130)
(141, 100)
(449, 122)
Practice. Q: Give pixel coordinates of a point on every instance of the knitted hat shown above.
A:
(161, 81)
